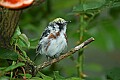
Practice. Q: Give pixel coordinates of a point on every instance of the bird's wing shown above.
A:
(42, 43)
(43, 40)
(39, 47)
(45, 33)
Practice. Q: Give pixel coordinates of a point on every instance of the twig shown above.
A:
(72, 51)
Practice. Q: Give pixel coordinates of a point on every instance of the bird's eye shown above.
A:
(59, 24)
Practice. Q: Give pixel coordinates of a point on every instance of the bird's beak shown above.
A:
(67, 21)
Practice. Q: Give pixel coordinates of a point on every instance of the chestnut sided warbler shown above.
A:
(53, 40)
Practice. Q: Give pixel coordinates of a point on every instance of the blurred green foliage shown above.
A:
(8, 54)
(113, 74)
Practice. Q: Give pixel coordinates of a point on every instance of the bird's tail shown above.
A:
(36, 56)
(38, 51)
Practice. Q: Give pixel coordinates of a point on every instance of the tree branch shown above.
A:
(72, 51)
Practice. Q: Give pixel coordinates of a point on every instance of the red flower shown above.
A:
(15, 4)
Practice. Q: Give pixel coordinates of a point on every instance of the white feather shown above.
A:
(57, 46)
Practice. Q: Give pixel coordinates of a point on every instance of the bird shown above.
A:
(53, 40)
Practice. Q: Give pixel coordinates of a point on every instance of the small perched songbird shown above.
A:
(53, 40)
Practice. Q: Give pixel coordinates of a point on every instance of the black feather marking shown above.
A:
(61, 25)
(45, 33)
(52, 25)
(38, 51)
(38, 48)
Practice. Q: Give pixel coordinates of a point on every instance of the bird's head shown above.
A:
(60, 22)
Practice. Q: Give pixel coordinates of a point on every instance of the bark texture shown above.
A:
(8, 23)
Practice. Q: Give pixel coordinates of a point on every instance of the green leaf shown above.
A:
(12, 67)
(33, 43)
(57, 76)
(36, 78)
(2, 68)
(21, 58)
(89, 5)
(4, 78)
(1, 71)
(20, 39)
(8, 54)
(24, 39)
(15, 36)
(112, 3)
(73, 78)
(17, 32)
(113, 74)
(28, 76)
(96, 5)
(45, 77)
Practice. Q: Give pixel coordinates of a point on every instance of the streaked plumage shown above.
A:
(53, 40)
